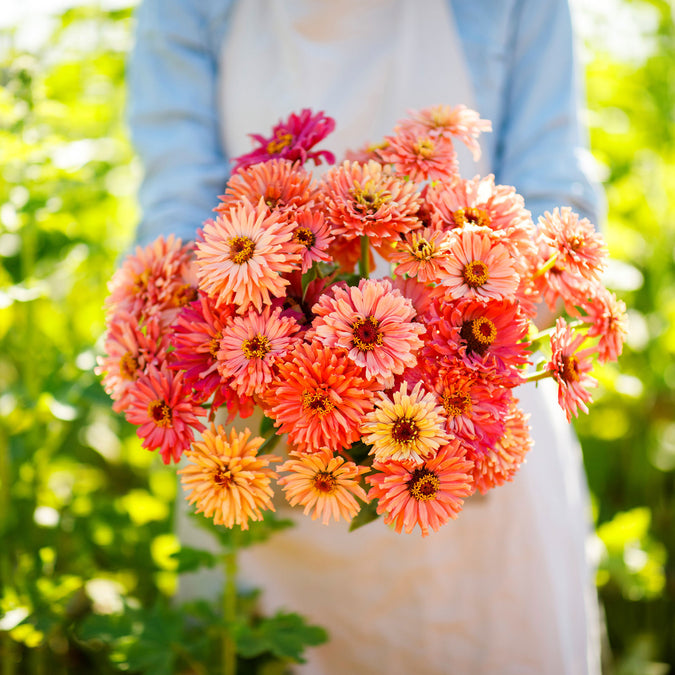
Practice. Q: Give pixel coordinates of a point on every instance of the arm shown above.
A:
(173, 118)
(542, 146)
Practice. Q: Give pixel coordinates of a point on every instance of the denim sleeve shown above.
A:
(172, 115)
(543, 145)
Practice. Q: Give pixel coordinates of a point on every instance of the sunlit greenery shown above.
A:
(88, 560)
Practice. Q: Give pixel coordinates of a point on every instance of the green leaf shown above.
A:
(367, 514)
(191, 559)
(287, 635)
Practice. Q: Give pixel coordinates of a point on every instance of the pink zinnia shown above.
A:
(423, 254)
(570, 369)
(292, 139)
(249, 346)
(606, 315)
(164, 413)
(368, 200)
(319, 398)
(326, 485)
(313, 235)
(243, 255)
(427, 495)
(479, 267)
(373, 323)
(501, 461)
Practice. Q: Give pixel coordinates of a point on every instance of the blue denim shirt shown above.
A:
(521, 59)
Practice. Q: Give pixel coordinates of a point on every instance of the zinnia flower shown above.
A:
(227, 479)
(570, 369)
(479, 267)
(423, 254)
(292, 139)
(313, 235)
(405, 428)
(373, 323)
(367, 200)
(426, 495)
(319, 398)
(606, 315)
(324, 484)
(164, 413)
(249, 346)
(242, 256)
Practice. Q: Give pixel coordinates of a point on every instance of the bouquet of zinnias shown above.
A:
(398, 393)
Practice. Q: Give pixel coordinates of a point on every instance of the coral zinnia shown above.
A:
(427, 495)
(607, 316)
(227, 479)
(570, 368)
(249, 346)
(408, 428)
(164, 413)
(319, 398)
(368, 200)
(324, 484)
(423, 254)
(243, 255)
(373, 323)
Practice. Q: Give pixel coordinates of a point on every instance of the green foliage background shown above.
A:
(86, 543)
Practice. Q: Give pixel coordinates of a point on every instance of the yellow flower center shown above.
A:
(478, 334)
(128, 366)
(368, 199)
(455, 404)
(317, 402)
(223, 477)
(214, 345)
(241, 249)
(405, 431)
(160, 413)
(325, 482)
(280, 141)
(423, 485)
(366, 335)
(184, 295)
(423, 250)
(304, 236)
(475, 273)
(470, 215)
(256, 347)
(424, 147)
(570, 369)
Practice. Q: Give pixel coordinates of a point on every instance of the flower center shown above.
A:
(423, 485)
(304, 236)
(424, 147)
(405, 431)
(366, 335)
(223, 478)
(368, 200)
(324, 481)
(256, 347)
(241, 249)
(161, 414)
(214, 345)
(478, 334)
(280, 141)
(570, 369)
(318, 402)
(184, 295)
(470, 215)
(475, 273)
(456, 403)
(128, 366)
(423, 250)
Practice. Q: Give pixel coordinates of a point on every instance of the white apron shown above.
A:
(505, 589)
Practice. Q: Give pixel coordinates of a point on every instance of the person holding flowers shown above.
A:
(426, 368)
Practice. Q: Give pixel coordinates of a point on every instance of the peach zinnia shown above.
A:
(423, 254)
(319, 398)
(228, 480)
(324, 484)
(242, 256)
(427, 495)
(373, 323)
(405, 428)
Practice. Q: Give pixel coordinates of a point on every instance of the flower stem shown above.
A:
(546, 266)
(364, 260)
(229, 655)
(538, 376)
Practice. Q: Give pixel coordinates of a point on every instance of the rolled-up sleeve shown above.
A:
(543, 146)
(172, 114)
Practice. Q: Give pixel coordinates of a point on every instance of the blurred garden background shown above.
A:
(86, 546)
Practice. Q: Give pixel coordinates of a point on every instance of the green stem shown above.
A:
(7, 644)
(229, 656)
(546, 266)
(538, 376)
(364, 260)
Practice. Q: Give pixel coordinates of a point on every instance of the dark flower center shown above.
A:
(256, 347)
(324, 481)
(423, 485)
(366, 335)
(405, 430)
(161, 413)
(478, 334)
(241, 249)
